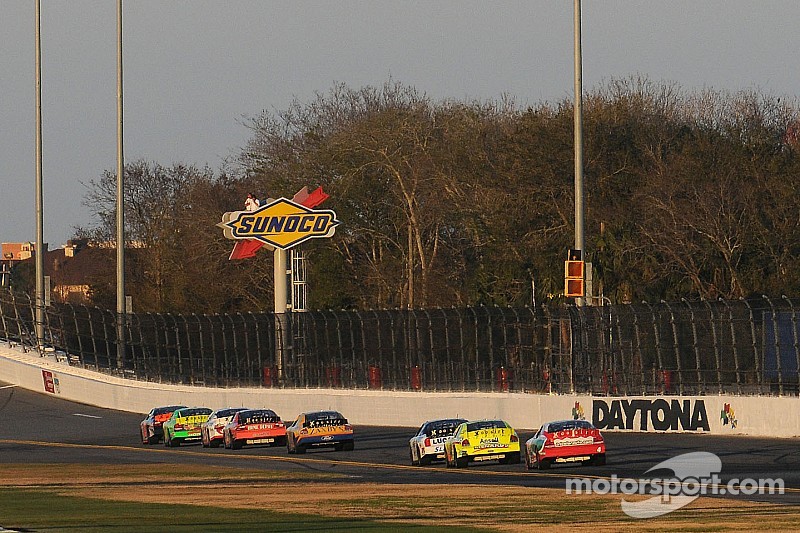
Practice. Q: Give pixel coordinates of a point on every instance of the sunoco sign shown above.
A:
(281, 223)
(650, 414)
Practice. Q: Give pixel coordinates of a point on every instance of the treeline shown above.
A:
(448, 203)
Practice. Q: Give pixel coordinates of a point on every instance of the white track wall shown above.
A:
(742, 415)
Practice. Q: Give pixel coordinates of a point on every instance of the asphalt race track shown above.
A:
(39, 428)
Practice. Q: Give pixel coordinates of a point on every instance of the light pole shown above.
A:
(120, 204)
(39, 326)
(578, 114)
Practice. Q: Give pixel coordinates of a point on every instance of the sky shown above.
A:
(195, 69)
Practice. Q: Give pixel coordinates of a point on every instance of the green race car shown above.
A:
(184, 425)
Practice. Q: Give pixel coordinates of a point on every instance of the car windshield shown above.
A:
(486, 424)
(443, 428)
(258, 417)
(325, 418)
(224, 413)
(165, 410)
(554, 427)
(195, 411)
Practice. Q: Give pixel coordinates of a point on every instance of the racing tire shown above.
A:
(462, 462)
(543, 464)
(425, 461)
(175, 443)
(510, 459)
(528, 465)
(299, 449)
(414, 462)
(214, 443)
(236, 444)
(339, 446)
(152, 439)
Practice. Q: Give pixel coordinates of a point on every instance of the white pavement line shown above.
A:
(86, 416)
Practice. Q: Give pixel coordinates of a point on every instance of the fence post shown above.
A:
(700, 383)
(776, 338)
(716, 345)
(794, 338)
(759, 368)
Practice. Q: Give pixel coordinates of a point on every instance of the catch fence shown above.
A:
(707, 347)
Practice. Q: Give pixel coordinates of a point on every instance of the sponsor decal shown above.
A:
(728, 416)
(656, 414)
(488, 444)
(577, 412)
(281, 223)
(577, 441)
(51, 383)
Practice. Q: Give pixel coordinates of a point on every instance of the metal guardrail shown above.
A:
(726, 346)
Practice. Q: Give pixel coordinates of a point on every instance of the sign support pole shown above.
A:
(281, 307)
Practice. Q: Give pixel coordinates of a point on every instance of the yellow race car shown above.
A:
(482, 440)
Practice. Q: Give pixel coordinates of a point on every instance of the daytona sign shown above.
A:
(646, 414)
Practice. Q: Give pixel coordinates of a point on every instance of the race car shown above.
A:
(150, 427)
(184, 425)
(317, 429)
(254, 426)
(482, 440)
(565, 441)
(428, 444)
(211, 431)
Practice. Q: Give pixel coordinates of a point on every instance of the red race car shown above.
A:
(565, 441)
(254, 426)
(211, 430)
(150, 428)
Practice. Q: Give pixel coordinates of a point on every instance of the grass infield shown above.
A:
(164, 497)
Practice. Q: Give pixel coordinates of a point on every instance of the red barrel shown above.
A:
(503, 379)
(375, 381)
(334, 376)
(270, 376)
(666, 376)
(416, 378)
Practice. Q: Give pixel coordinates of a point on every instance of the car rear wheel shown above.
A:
(425, 460)
(462, 462)
(236, 444)
(510, 459)
(299, 449)
(543, 464)
(528, 465)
